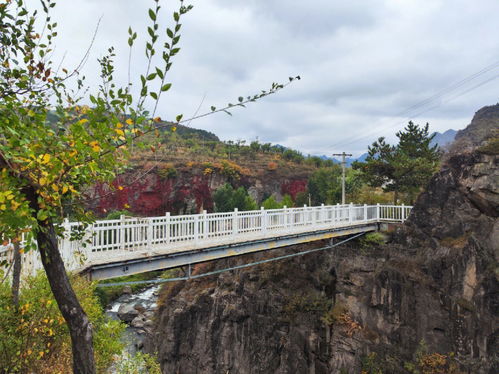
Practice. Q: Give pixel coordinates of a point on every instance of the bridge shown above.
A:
(131, 245)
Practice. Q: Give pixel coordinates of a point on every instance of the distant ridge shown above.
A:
(349, 160)
(443, 140)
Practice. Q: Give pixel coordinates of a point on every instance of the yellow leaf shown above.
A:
(174, 128)
(45, 158)
(64, 189)
(83, 120)
(73, 153)
(3, 207)
(129, 121)
(55, 187)
(120, 188)
(126, 206)
(157, 119)
(95, 146)
(119, 125)
(42, 181)
(119, 132)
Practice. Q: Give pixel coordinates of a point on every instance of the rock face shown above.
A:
(190, 191)
(431, 290)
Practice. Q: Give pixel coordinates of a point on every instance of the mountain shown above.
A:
(349, 160)
(443, 139)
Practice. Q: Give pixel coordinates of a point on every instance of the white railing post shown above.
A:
(122, 232)
(149, 235)
(336, 217)
(322, 214)
(285, 218)
(365, 212)
(313, 211)
(350, 213)
(205, 225)
(377, 212)
(167, 227)
(234, 222)
(65, 248)
(403, 213)
(263, 215)
(196, 228)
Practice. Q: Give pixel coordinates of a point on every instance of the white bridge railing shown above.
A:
(112, 240)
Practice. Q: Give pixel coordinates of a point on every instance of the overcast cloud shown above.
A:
(363, 63)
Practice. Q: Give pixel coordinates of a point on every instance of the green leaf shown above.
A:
(151, 76)
(160, 73)
(166, 87)
(41, 215)
(152, 15)
(169, 33)
(241, 99)
(154, 95)
(179, 117)
(213, 108)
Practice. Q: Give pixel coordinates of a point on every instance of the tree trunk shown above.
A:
(80, 328)
(16, 274)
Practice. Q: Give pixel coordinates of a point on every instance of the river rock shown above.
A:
(127, 290)
(138, 322)
(127, 312)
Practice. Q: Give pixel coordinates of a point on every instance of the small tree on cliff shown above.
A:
(51, 147)
(404, 168)
(226, 199)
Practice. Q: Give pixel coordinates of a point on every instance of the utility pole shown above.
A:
(343, 165)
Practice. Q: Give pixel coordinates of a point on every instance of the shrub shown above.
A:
(34, 338)
(271, 203)
(372, 239)
(167, 171)
(140, 363)
(271, 166)
(116, 214)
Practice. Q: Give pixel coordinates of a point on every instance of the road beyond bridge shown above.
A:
(131, 245)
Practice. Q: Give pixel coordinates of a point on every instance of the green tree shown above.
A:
(52, 147)
(271, 203)
(324, 185)
(405, 168)
(226, 199)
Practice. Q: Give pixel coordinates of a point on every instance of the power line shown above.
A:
(440, 94)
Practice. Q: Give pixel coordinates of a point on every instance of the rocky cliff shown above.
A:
(425, 302)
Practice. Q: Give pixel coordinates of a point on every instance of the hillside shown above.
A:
(181, 175)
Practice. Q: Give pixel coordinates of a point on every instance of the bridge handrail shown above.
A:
(105, 237)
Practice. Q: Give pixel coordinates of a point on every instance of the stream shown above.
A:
(137, 311)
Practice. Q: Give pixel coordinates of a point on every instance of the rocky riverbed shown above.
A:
(137, 311)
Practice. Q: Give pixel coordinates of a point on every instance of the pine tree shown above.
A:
(405, 168)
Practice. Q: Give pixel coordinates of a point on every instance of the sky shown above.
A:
(367, 66)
